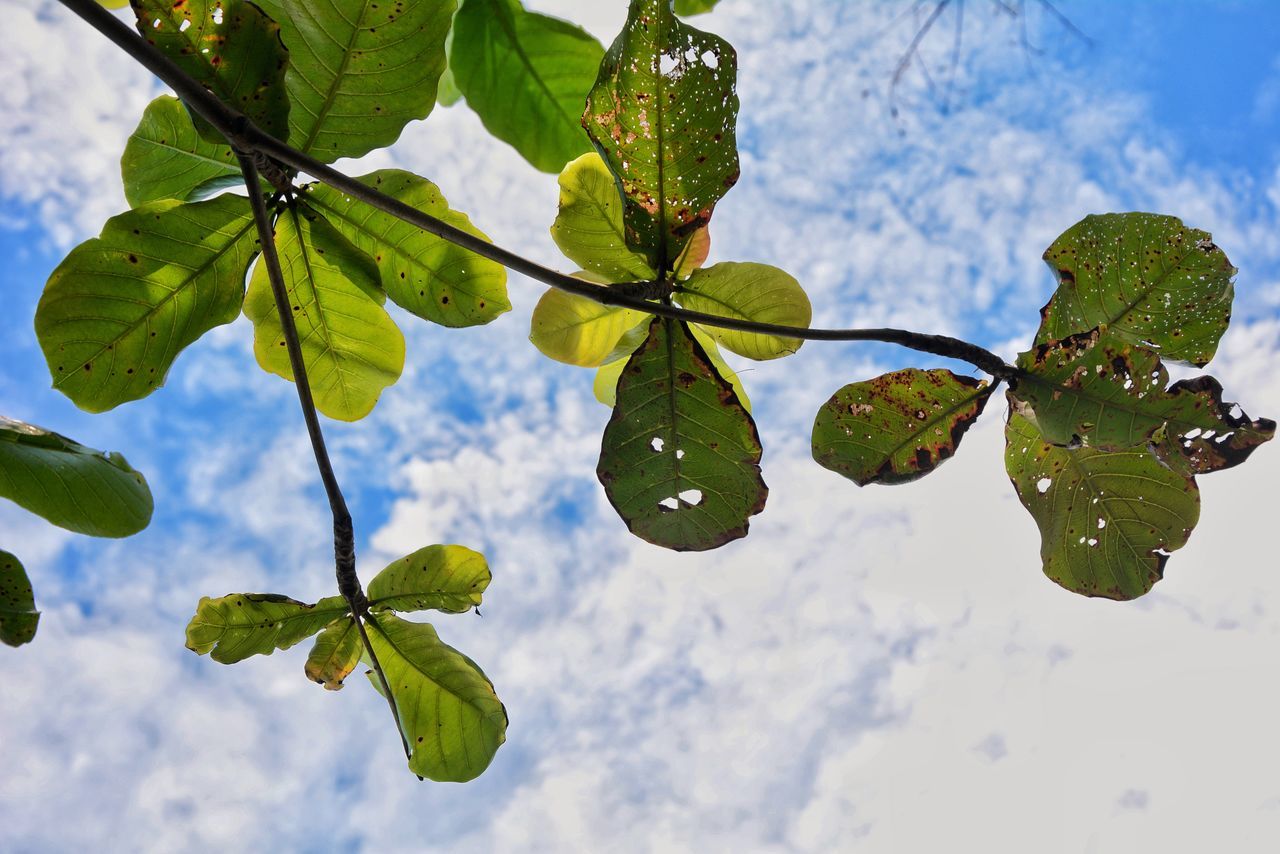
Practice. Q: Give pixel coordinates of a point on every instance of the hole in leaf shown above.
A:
(656, 444)
(1043, 484)
(692, 497)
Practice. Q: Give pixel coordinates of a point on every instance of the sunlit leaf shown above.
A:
(694, 7)
(351, 348)
(1098, 390)
(694, 254)
(166, 158)
(442, 578)
(680, 460)
(1107, 520)
(424, 274)
(448, 709)
(1148, 278)
(360, 70)
(605, 386)
(897, 427)
(579, 331)
(18, 615)
(74, 487)
(745, 291)
(118, 309)
(230, 46)
(663, 113)
(234, 627)
(588, 227)
(527, 76)
(335, 654)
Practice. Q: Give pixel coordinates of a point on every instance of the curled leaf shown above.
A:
(232, 628)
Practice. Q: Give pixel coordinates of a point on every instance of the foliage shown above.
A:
(1101, 450)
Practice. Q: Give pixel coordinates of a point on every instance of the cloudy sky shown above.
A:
(880, 670)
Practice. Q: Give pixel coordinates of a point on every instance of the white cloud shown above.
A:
(881, 669)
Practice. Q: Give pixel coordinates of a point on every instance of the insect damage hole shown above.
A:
(657, 444)
(1043, 484)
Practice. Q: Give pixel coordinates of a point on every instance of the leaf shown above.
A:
(231, 47)
(234, 627)
(746, 291)
(588, 227)
(694, 254)
(442, 578)
(1107, 520)
(166, 158)
(447, 706)
(18, 615)
(336, 653)
(579, 331)
(606, 382)
(694, 7)
(897, 427)
(119, 308)
(1098, 390)
(351, 348)
(1151, 280)
(72, 486)
(424, 274)
(360, 70)
(527, 76)
(663, 113)
(680, 460)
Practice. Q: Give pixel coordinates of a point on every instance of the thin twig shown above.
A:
(245, 136)
(344, 547)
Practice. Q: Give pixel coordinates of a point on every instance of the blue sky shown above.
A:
(872, 670)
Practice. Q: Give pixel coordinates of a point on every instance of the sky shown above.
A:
(882, 669)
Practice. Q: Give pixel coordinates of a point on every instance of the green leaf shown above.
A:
(1107, 520)
(447, 706)
(579, 331)
(680, 460)
(234, 627)
(527, 76)
(72, 486)
(351, 348)
(231, 47)
(442, 578)
(1098, 390)
(424, 274)
(360, 70)
(588, 227)
(897, 427)
(745, 291)
(336, 653)
(118, 310)
(1150, 279)
(663, 113)
(18, 615)
(605, 386)
(694, 7)
(166, 158)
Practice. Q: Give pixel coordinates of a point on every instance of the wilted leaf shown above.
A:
(526, 75)
(72, 486)
(119, 308)
(898, 426)
(442, 578)
(230, 46)
(336, 653)
(745, 291)
(1148, 278)
(588, 227)
(1095, 389)
(234, 627)
(350, 346)
(360, 70)
(424, 274)
(448, 709)
(1107, 520)
(166, 158)
(18, 615)
(663, 114)
(680, 460)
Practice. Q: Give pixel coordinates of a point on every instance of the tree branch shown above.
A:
(344, 547)
(244, 136)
